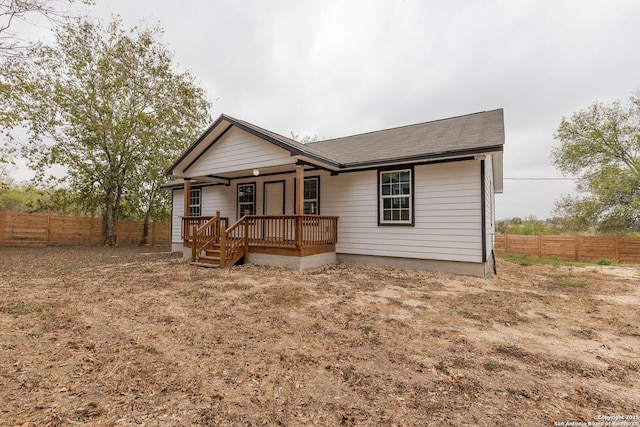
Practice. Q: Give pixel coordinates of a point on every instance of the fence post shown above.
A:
(91, 230)
(506, 242)
(616, 248)
(3, 222)
(153, 233)
(539, 246)
(576, 248)
(49, 227)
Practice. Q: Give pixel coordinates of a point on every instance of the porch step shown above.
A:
(211, 258)
(205, 264)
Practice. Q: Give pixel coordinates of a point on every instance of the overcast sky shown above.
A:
(336, 68)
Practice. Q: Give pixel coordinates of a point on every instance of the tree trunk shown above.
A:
(109, 220)
(145, 228)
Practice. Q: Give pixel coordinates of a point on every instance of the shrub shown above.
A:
(603, 261)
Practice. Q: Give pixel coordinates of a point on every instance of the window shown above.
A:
(311, 196)
(246, 199)
(396, 204)
(194, 202)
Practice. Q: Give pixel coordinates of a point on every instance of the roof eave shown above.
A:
(424, 157)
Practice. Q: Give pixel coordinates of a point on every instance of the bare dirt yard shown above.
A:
(136, 336)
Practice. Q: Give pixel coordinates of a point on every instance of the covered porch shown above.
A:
(297, 241)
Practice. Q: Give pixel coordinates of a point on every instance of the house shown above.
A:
(417, 196)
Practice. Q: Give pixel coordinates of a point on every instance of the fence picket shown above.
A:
(20, 229)
(575, 248)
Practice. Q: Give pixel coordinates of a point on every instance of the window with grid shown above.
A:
(396, 197)
(194, 202)
(311, 196)
(246, 199)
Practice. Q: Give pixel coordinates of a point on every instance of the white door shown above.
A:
(274, 198)
(272, 228)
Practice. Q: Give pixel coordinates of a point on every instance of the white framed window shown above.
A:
(246, 199)
(312, 195)
(195, 202)
(396, 197)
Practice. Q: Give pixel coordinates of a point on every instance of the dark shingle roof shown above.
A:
(478, 131)
(453, 137)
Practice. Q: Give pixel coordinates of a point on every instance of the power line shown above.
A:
(540, 179)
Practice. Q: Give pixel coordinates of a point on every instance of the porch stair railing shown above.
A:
(213, 245)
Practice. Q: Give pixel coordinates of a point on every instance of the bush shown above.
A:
(603, 261)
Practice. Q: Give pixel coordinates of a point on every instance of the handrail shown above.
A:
(205, 235)
(190, 224)
(232, 240)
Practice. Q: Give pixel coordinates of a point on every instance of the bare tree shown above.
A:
(14, 11)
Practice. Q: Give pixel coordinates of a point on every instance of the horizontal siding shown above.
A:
(219, 198)
(176, 216)
(239, 150)
(447, 210)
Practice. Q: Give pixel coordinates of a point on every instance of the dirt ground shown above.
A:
(136, 336)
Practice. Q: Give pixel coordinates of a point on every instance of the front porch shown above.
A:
(294, 241)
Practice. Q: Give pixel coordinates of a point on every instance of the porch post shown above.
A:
(299, 203)
(187, 190)
(300, 189)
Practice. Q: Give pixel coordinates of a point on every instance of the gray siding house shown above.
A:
(417, 196)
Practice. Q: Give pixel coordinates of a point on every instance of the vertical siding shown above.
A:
(239, 150)
(447, 214)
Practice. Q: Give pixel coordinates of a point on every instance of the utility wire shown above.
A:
(541, 179)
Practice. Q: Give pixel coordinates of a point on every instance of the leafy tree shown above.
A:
(601, 147)
(106, 104)
(11, 42)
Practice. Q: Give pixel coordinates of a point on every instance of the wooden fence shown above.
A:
(576, 248)
(21, 229)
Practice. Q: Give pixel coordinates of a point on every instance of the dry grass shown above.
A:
(135, 336)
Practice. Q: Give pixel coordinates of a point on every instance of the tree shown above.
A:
(11, 43)
(601, 147)
(106, 104)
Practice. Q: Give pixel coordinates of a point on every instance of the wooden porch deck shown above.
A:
(215, 243)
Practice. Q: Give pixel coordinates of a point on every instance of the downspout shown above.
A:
(483, 213)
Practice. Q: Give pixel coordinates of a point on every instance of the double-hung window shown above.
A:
(246, 199)
(194, 202)
(312, 196)
(396, 197)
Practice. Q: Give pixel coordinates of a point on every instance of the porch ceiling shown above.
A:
(249, 173)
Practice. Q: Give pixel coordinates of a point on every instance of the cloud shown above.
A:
(334, 68)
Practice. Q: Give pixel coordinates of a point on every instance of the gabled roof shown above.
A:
(472, 134)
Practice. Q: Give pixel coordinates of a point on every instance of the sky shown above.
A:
(337, 68)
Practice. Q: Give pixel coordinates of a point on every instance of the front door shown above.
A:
(274, 198)
(273, 205)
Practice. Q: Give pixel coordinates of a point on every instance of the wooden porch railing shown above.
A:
(192, 223)
(292, 230)
(295, 231)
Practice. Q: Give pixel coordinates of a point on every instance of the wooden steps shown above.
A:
(211, 258)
